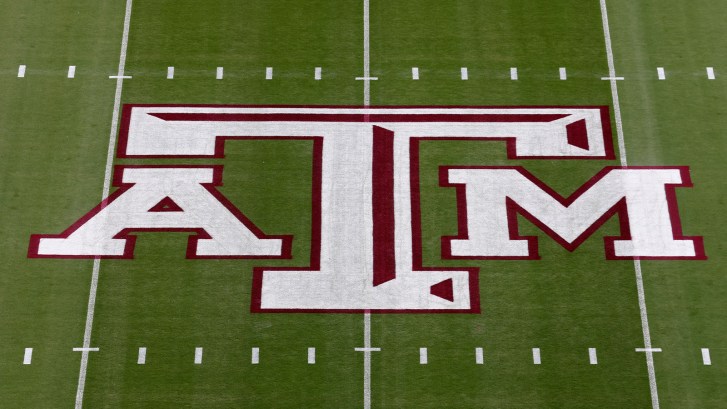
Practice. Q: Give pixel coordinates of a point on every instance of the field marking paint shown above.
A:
(120, 77)
(367, 349)
(637, 263)
(366, 78)
(536, 356)
(198, 355)
(647, 335)
(366, 102)
(415, 73)
(71, 71)
(220, 73)
(423, 356)
(648, 350)
(563, 73)
(513, 73)
(141, 359)
(21, 71)
(85, 349)
(592, 356)
(311, 356)
(463, 74)
(710, 73)
(28, 357)
(706, 359)
(268, 73)
(660, 72)
(170, 73)
(255, 356)
(479, 356)
(104, 194)
(612, 78)
(317, 73)
(366, 63)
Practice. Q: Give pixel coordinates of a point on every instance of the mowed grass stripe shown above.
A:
(55, 149)
(561, 303)
(685, 299)
(171, 304)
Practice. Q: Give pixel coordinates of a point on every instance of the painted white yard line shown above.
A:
(647, 334)
(563, 73)
(513, 73)
(317, 73)
(220, 73)
(366, 78)
(612, 78)
(614, 87)
(710, 73)
(649, 350)
(536, 356)
(660, 72)
(479, 356)
(21, 71)
(170, 73)
(71, 71)
(592, 356)
(120, 77)
(423, 356)
(141, 359)
(106, 187)
(706, 359)
(415, 73)
(268, 73)
(28, 357)
(367, 356)
(255, 356)
(366, 102)
(624, 162)
(366, 62)
(198, 355)
(463, 74)
(311, 356)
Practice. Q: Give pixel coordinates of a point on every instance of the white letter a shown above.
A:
(158, 198)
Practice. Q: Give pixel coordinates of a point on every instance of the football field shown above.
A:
(98, 95)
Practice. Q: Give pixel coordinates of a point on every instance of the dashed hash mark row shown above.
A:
(479, 355)
(464, 73)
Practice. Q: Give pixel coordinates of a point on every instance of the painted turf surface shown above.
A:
(54, 141)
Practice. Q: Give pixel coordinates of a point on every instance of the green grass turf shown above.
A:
(680, 121)
(54, 135)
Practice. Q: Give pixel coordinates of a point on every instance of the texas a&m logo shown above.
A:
(366, 241)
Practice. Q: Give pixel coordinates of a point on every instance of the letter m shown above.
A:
(490, 198)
